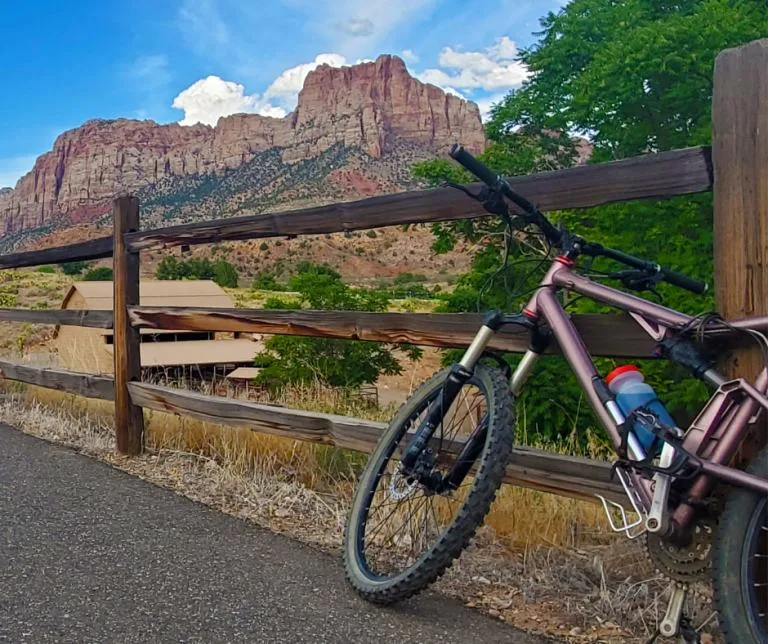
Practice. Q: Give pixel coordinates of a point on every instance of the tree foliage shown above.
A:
(197, 268)
(73, 268)
(632, 76)
(338, 363)
(99, 274)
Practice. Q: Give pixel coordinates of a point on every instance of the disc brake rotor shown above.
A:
(688, 564)
(400, 486)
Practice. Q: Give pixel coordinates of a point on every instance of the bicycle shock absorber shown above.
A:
(457, 378)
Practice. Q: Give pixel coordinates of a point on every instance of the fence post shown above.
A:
(129, 419)
(740, 160)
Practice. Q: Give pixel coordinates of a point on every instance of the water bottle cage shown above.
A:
(685, 465)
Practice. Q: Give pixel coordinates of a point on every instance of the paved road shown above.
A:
(90, 554)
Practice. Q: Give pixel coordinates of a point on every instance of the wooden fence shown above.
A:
(735, 168)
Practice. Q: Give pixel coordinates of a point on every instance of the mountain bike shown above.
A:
(435, 471)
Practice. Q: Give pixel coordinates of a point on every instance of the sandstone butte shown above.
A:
(370, 105)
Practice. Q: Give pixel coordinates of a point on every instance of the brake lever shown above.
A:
(640, 281)
(476, 196)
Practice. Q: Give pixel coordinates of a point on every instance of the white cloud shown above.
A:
(150, 70)
(455, 92)
(285, 88)
(210, 98)
(13, 168)
(485, 104)
(493, 69)
(356, 27)
(408, 56)
(203, 27)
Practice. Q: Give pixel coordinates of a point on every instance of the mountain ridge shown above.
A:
(376, 116)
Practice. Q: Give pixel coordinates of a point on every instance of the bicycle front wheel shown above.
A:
(403, 534)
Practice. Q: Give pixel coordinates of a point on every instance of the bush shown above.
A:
(263, 246)
(99, 274)
(265, 281)
(46, 269)
(338, 363)
(73, 268)
(224, 274)
(410, 278)
(372, 234)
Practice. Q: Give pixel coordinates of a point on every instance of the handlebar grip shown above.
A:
(479, 169)
(683, 281)
(490, 178)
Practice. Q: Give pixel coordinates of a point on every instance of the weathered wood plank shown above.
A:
(66, 317)
(80, 384)
(604, 335)
(740, 139)
(87, 250)
(129, 418)
(570, 476)
(655, 175)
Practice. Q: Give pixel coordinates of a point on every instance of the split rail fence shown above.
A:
(735, 168)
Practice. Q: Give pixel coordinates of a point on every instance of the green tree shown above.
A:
(632, 76)
(169, 268)
(225, 274)
(266, 281)
(98, 274)
(73, 268)
(338, 363)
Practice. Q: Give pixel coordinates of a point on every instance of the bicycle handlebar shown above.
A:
(533, 215)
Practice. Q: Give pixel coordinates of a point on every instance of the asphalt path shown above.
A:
(91, 554)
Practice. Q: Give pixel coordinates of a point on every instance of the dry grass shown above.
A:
(542, 563)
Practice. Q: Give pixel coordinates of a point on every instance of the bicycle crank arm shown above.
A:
(670, 625)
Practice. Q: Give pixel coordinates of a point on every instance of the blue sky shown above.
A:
(66, 62)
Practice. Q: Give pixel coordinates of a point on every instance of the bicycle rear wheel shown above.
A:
(401, 535)
(741, 564)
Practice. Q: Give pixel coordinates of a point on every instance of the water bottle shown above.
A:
(631, 391)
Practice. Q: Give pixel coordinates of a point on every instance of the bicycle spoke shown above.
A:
(399, 530)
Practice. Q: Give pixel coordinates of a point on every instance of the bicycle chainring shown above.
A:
(690, 564)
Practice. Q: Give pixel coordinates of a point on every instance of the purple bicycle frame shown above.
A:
(720, 427)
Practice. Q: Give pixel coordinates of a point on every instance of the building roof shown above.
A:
(244, 373)
(191, 293)
(205, 293)
(202, 352)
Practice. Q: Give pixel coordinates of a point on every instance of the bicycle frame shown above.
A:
(713, 437)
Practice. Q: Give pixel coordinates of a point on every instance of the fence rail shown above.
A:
(604, 335)
(678, 172)
(66, 317)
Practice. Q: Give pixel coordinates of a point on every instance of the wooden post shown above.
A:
(129, 418)
(740, 159)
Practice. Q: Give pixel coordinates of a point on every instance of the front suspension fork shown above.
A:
(458, 376)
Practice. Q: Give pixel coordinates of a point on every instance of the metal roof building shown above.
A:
(91, 350)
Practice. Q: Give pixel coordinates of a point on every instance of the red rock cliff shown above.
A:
(368, 105)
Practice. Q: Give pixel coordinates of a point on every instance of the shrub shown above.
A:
(338, 363)
(265, 281)
(224, 274)
(46, 269)
(73, 268)
(99, 274)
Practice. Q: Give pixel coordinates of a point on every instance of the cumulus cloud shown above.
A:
(408, 56)
(210, 98)
(285, 88)
(356, 27)
(492, 69)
